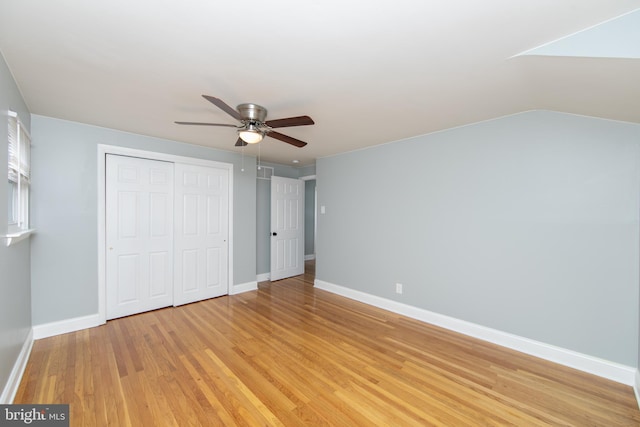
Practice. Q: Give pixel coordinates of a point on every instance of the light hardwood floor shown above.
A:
(289, 354)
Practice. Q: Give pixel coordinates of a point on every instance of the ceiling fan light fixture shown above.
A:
(251, 135)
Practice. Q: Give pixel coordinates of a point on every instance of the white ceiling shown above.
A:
(367, 72)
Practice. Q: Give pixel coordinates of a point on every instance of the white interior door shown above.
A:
(287, 227)
(201, 233)
(139, 235)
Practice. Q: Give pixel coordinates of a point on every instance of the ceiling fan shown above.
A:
(253, 126)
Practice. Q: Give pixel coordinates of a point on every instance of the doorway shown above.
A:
(207, 267)
(287, 227)
(311, 224)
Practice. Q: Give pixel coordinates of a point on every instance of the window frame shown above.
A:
(18, 179)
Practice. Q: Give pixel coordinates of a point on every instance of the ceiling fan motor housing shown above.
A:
(252, 112)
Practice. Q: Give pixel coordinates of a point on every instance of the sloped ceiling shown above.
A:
(367, 72)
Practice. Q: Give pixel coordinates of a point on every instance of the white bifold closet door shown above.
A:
(167, 234)
(139, 235)
(201, 233)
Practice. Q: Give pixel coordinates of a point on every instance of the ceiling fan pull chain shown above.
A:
(259, 152)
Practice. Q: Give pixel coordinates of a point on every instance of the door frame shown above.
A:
(315, 211)
(103, 150)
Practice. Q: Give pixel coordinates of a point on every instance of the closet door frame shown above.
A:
(103, 150)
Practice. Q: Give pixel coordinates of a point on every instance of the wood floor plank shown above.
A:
(289, 354)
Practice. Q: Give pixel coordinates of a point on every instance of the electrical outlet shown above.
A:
(398, 288)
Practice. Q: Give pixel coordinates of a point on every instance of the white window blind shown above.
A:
(14, 162)
(19, 171)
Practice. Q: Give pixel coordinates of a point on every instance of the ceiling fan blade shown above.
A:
(290, 121)
(224, 107)
(205, 124)
(287, 139)
(241, 143)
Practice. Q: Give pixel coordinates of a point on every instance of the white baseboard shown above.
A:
(593, 365)
(264, 277)
(243, 287)
(309, 257)
(78, 323)
(65, 326)
(11, 388)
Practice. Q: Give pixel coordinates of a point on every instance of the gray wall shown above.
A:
(64, 251)
(15, 285)
(306, 170)
(527, 224)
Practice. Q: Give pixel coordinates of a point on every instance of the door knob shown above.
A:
(274, 234)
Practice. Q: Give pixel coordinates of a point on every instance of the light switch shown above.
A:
(322, 209)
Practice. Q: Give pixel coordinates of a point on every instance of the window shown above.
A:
(19, 170)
